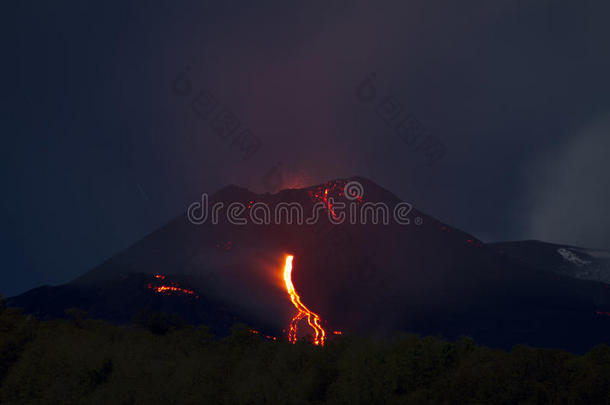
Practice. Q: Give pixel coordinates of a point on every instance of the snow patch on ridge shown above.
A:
(569, 256)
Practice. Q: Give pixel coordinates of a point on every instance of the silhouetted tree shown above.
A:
(77, 316)
(159, 323)
(59, 361)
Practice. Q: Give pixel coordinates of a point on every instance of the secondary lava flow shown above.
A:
(171, 288)
(313, 319)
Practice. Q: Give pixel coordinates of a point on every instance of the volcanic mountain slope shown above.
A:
(423, 277)
(581, 263)
(128, 298)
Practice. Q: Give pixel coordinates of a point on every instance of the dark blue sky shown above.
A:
(99, 150)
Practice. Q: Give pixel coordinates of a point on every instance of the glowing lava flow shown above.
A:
(328, 204)
(313, 319)
(172, 288)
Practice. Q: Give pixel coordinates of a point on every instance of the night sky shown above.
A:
(100, 149)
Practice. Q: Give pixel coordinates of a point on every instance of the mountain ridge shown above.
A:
(423, 276)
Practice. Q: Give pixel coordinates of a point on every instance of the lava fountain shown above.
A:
(313, 319)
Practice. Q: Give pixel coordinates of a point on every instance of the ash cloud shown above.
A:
(570, 190)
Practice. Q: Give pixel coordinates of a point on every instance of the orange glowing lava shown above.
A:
(321, 193)
(313, 319)
(255, 332)
(328, 204)
(171, 288)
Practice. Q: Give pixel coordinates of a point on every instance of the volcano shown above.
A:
(420, 276)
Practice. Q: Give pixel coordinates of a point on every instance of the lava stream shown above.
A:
(313, 319)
